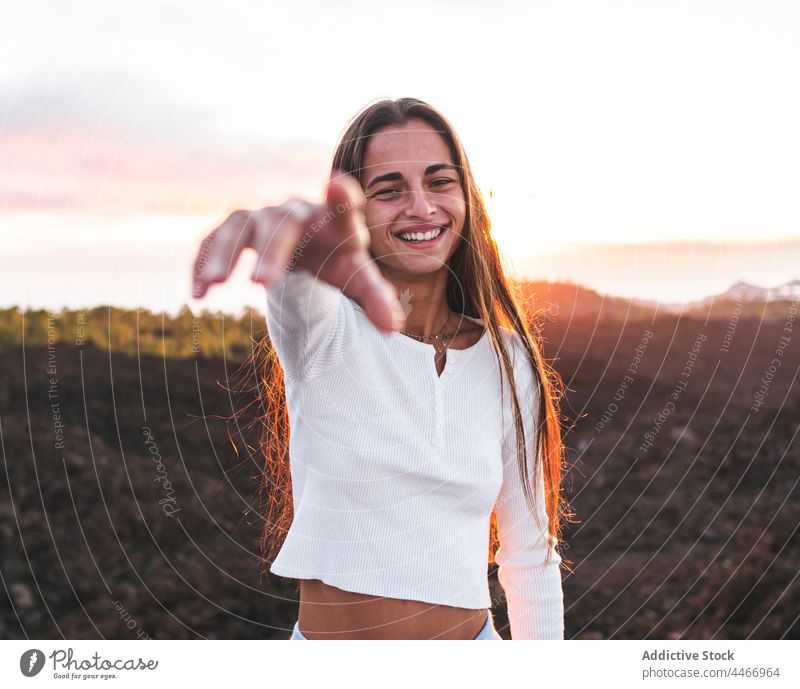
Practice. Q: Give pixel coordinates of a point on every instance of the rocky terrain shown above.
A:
(125, 512)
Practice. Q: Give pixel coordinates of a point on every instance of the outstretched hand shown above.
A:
(329, 239)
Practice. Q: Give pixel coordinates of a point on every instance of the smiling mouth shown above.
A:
(422, 238)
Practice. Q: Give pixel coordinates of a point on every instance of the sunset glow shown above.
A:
(631, 124)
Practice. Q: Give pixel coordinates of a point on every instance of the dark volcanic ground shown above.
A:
(693, 537)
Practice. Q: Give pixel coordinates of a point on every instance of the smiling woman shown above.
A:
(424, 419)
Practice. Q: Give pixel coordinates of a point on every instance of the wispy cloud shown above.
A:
(115, 145)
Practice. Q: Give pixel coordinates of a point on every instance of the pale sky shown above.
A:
(128, 130)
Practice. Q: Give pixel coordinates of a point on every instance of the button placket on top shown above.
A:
(439, 412)
(439, 415)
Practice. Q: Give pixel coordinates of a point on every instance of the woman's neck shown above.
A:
(424, 300)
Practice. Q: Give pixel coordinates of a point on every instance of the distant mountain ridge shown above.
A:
(746, 300)
(749, 292)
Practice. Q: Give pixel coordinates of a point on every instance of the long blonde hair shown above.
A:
(477, 287)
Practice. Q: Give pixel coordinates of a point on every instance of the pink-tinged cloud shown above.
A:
(92, 157)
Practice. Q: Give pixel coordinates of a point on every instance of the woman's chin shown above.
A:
(415, 267)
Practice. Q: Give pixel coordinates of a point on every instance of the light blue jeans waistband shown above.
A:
(487, 632)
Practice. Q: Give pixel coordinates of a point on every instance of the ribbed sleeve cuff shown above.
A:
(535, 600)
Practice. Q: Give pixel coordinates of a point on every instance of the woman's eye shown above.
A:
(442, 181)
(386, 192)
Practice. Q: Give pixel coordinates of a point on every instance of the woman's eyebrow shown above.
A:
(397, 176)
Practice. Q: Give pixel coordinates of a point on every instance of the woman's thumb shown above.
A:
(344, 194)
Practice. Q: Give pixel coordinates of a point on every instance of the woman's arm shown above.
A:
(311, 323)
(531, 584)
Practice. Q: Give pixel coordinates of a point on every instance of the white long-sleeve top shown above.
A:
(395, 469)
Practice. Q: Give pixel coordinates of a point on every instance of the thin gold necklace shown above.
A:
(439, 339)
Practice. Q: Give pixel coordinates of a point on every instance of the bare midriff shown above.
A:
(328, 612)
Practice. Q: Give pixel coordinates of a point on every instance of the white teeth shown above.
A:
(420, 236)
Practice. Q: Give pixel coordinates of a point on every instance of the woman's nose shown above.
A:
(419, 204)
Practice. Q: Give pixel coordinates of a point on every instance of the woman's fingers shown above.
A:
(199, 273)
(376, 295)
(277, 236)
(330, 239)
(219, 252)
(345, 203)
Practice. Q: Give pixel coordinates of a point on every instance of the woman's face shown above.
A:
(412, 186)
